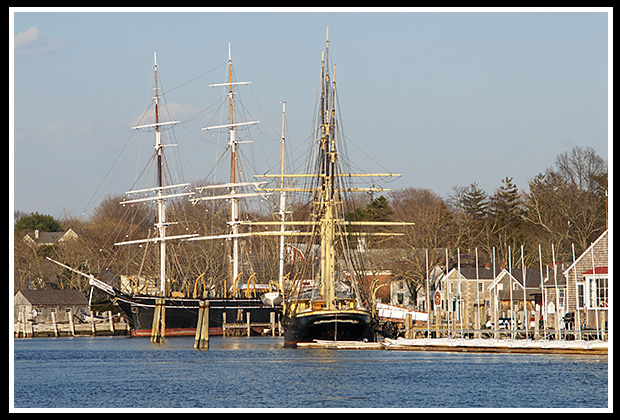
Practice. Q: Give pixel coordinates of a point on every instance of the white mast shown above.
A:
(161, 205)
(282, 202)
(159, 190)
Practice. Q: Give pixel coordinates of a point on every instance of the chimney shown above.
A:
(36, 234)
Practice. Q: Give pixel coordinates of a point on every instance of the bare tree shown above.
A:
(568, 202)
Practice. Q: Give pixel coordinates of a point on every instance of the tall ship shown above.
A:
(232, 302)
(329, 296)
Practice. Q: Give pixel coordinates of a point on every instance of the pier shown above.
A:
(498, 346)
(248, 328)
(462, 345)
(107, 327)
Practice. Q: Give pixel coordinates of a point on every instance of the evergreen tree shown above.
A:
(507, 215)
(379, 209)
(36, 221)
(474, 205)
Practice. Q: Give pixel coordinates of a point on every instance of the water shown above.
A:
(84, 372)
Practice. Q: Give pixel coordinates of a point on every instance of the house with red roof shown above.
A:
(586, 282)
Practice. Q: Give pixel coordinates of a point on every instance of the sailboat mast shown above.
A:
(232, 129)
(326, 201)
(234, 203)
(232, 196)
(161, 205)
(282, 200)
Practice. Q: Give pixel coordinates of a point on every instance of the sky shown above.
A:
(443, 98)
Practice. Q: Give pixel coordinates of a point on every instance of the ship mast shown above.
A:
(282, 211)
(328, 189)
(161, 204)
(159, 189)
(326, 209)
(233, 196)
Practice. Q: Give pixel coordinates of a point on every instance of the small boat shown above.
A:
(272, 299)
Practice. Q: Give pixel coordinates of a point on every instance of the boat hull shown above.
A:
(351, 325)
(182, 314)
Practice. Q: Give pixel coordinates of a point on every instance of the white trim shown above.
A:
(583, 254)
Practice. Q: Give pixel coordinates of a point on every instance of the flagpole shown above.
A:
(526, 317)
(428, 301)
(578, 317)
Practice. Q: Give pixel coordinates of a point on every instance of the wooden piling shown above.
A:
(92, 323)
(272, 321)
(247, 316)
(201, 341)
(158, 331)
(111, 322)
(71, 326)
(54, 324)
(408, 325)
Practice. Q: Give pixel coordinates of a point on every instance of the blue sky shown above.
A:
(445, 98)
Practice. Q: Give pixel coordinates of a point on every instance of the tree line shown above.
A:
(565, 205)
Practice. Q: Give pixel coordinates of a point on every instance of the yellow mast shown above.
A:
(326, 197)
(230, 100)
(328, 190)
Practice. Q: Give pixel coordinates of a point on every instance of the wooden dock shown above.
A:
(469, 346)
(248, 327)
(342, 345)
(498, 346)
(66, 329)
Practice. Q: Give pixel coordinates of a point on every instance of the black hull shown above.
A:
(182, 314)
(328, 325)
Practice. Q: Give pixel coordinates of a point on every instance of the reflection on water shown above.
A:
(260, 372)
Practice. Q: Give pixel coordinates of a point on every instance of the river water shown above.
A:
(257, 372)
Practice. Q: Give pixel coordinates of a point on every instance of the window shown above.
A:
(561, 297)
(599, 292)
(596, 288)
(581, 295)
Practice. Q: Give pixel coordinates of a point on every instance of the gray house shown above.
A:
(38, 305)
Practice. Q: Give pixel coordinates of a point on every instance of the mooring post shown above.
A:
(92, 322)
(54, 324)
(408, 332)
(111, 322)
(158, 331)
(155, 323)
(71, 326)
(247, 316)
(201, 342)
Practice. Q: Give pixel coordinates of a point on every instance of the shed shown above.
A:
(38, 305)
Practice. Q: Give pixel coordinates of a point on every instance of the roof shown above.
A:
(48, 238)
(469, 273)
(598, 270)
(54, 297)
(532, 277)
(584, 253)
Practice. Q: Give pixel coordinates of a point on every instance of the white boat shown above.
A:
(272, 299)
